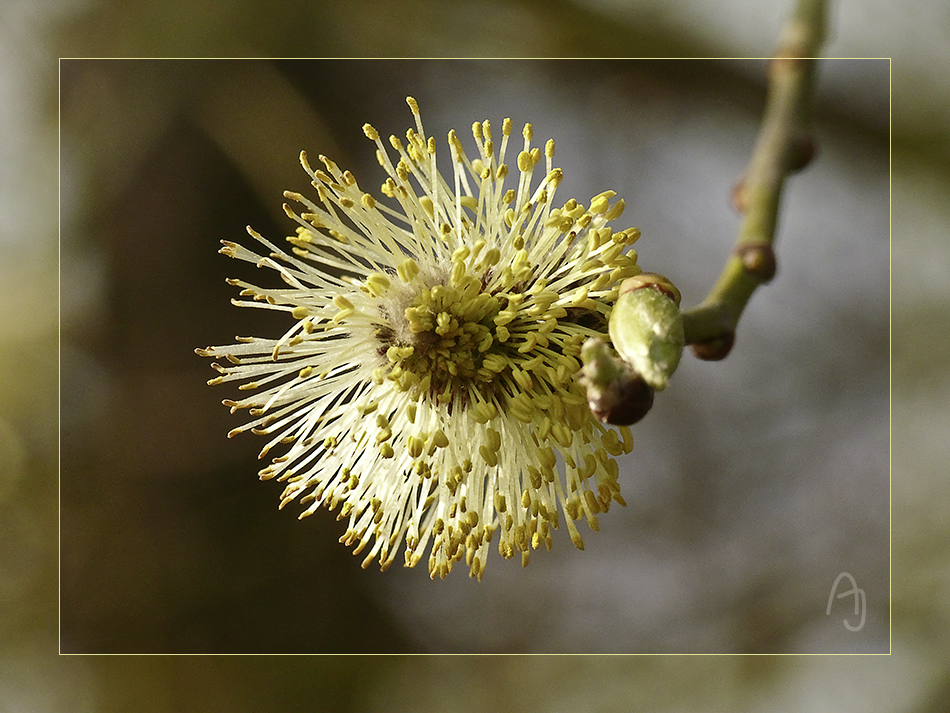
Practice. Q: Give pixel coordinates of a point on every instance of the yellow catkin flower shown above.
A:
(427, 388)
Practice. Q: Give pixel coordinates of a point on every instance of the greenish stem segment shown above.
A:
(784, 145)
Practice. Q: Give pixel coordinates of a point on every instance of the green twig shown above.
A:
(784, 145)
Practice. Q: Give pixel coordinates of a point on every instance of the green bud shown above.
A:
(646, 327)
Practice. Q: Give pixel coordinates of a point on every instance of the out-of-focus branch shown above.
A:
(784, 145)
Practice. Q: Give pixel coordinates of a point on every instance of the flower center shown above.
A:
(451, 334)
(441, 345)
(478, 331)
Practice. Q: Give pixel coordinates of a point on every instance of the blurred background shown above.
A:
(753, 484)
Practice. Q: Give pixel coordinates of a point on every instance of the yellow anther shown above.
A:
(444, 323)
(483, 412)
(599, 205)
(522, 378)
(407, 270)
(533, 363)
(397, 354)
(610, 254)
(458, 274)
(627, 437)
(522, 408)
(341, 316)
(612, 443)
(591, 501)
(378, 283)
(504, 317)
(500, 504)
(495, 363)
(546, 456)
(366, 409)
(525, 163)
(615, 210)
(343, 303)
(493, 438)
(477, 248)
(543, 430)
(415, 446)
(533, 339)
(491, 257)
(562, 434)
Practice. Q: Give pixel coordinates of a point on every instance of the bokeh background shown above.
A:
(753, 484)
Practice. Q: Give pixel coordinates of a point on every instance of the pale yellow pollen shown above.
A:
(500, 504)
(378, 284)
(415, 446)
(483, 412)
(615, 211)
(525, 163)
(343, 303)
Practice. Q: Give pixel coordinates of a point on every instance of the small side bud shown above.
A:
(616, 394)
(758, 260)
(714, 349)
(801, 152)
(739, 196)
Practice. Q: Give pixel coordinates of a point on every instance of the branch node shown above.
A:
(758, 259)
(739, 197)
(714, 349)
(801, 152)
